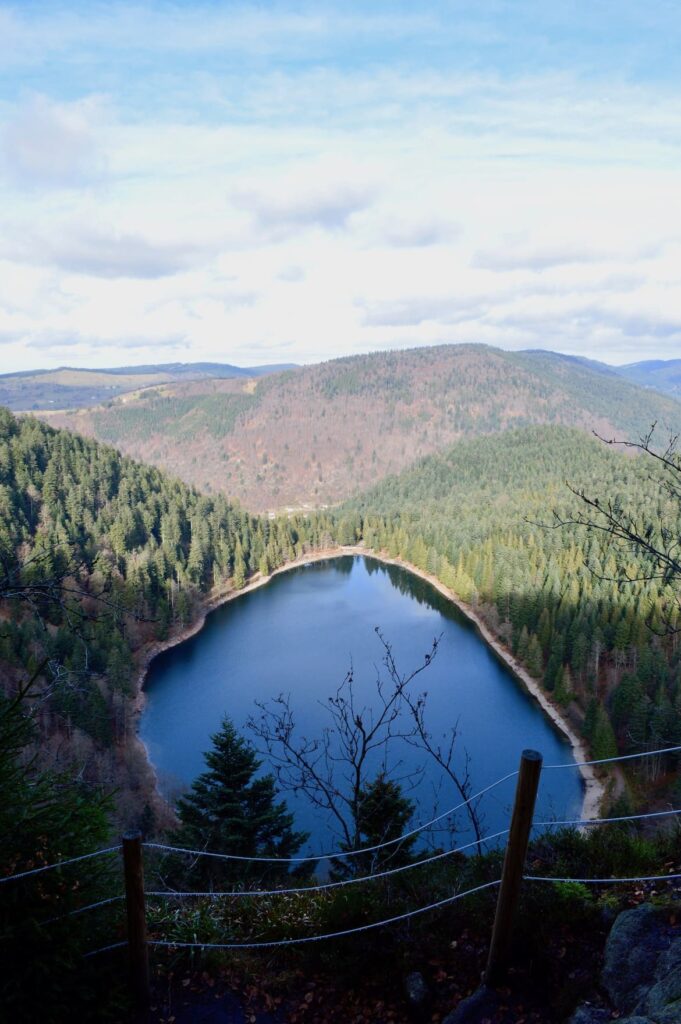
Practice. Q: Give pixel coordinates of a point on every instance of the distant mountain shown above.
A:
(592, 364)
(317, 434)
(663, 375)
(70, 388)
(199, 371)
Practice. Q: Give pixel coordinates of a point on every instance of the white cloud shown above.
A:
(521, 258)
(321, 207)
(64, 341)
(441, 309)
(417, 232)
(76, 248)
(305, 199)
(49, 144)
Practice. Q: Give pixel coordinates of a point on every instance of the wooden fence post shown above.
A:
(137, 923)
(514, 862)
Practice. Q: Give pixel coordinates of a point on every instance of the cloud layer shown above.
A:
(220, 182)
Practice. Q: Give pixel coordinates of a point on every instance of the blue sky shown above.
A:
(268, 182)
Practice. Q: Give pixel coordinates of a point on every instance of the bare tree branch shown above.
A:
(333, 770)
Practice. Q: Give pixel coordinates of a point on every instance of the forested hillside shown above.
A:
(139, 553)
(480, 516)
(145, 552)
(660, 374)
(319, 434)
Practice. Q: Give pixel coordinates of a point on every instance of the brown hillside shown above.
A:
(315, 435)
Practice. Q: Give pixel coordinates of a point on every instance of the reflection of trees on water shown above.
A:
(405, 582)
(343, 564)
(424, 593)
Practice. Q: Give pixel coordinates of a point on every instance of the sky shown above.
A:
(278, 182)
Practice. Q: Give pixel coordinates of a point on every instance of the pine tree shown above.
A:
(230, 809)
(239, 574)
(383, 815)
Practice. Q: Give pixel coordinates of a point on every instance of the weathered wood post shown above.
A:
(138, 950)
(514, 862)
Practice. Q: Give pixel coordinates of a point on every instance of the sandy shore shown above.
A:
(594, 787)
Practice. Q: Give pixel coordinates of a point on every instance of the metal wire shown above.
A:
(603, 881)
(328, 935)
(611, 760)
(105, 949)
(333, 885)
(606, 821)
(82, 910)
(59, 864)
(337, 854)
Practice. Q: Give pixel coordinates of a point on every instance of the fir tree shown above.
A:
(383, 815)
(230, 809)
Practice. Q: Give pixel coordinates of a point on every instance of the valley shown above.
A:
(340, 512)
(492, 519)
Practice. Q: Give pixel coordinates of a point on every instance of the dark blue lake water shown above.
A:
(299, 635)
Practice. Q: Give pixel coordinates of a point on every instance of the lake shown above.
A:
(301, 633)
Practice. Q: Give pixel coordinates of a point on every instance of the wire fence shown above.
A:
(338, 854)
(325, 887)
(59, 864)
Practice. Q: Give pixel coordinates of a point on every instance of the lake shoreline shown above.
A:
(594, 788)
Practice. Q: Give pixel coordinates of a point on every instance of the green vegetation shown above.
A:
(661, 374)
(181, 418)
(101, 556)
(479, 519)
(560, 926)
(232, 809)
(139, 553)
(319, 434)
(46, 817)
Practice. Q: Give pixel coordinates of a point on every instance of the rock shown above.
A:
(670, 960)
(670, 1015)
(663, 1002)
(476, 1008)
(637, 940)
(664, 997)
(589, 1015)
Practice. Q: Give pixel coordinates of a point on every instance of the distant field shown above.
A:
(93, 378)
(72, 388)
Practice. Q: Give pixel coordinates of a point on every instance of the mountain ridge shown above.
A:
(314, 435)
(67, 387)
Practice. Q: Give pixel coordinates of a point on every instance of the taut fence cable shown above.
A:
(105, 949)
(323, 887)
(59, 864)
(327, 935)
(603, 881)
(520, 825)
(606, 821)
(338, 854)
(83, 910)
(612, 760)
